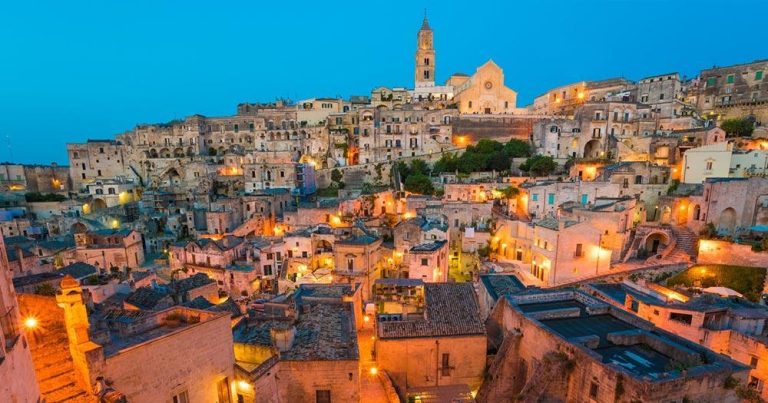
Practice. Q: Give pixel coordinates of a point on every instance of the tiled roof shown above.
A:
(79, 270)
(451, 310)
(428, 247)
(499, 285)
(145, 298)
(554, 223)
(190, 283)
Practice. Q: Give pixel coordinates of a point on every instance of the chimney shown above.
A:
(282, 339)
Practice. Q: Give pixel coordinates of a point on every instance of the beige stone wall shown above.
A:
(417, 362)
(298, 381)
(722, 252)
(194, 359)
(536, 341)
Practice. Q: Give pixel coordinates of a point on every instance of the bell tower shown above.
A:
(425, 56)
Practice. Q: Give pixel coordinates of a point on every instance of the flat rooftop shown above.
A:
(499, 285)
(553, 305)
(451, 310)
(615, 337)
(322, 322)
(129, 328)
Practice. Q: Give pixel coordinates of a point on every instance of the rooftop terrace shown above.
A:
(615, 337)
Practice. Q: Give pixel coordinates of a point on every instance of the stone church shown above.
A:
(482, 93)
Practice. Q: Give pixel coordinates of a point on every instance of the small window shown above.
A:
(424, 262)
(758, 76)
(711, 82)
(322, 396)
(445, 368)
(593, 389)
(181, 397)
(753, 362)
(681, 317)
(730, 79)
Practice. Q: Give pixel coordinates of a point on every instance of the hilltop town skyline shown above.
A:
(558, 201)
(125, 76)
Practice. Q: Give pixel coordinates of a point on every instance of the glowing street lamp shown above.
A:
(31, 322)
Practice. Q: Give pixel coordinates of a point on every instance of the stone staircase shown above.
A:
(687, 245)
(54, 368)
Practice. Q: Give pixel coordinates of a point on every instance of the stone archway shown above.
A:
(78, 228)
(655, 242)
(592, 149)
(98, 204)
(696, 212)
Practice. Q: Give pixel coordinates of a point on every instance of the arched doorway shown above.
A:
(78, 228)
(592, 149)
(761, 211)
(655, 242)
(727, 221)
(696, 212)
(98, 204)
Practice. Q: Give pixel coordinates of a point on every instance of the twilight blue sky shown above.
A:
(73, 70)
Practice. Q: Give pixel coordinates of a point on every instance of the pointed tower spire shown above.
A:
(425, 23)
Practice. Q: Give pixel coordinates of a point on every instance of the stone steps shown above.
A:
(58, 382)
(69, 393)
(55, 356)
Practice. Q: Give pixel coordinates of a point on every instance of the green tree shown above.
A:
(419, 183)
(510, 192)
(517, 148)
(419, 167)
(367, 188)
(404, 169)
(447, 163)
(336, 175)
(539, 165)
(472, 162)
(486, 146)
(738, 127)
(498, 161)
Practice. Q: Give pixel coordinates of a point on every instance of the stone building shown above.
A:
(97, 159)
(730, 326)
(563, 101)
(733, 205)
(485, 92)
(16, 367)
(429, 262)
(438, 348)
(107, 249)
(734, 91)
(358, 260)
(35, 178)
(568, 346)
(129, 350)
(304, 348)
